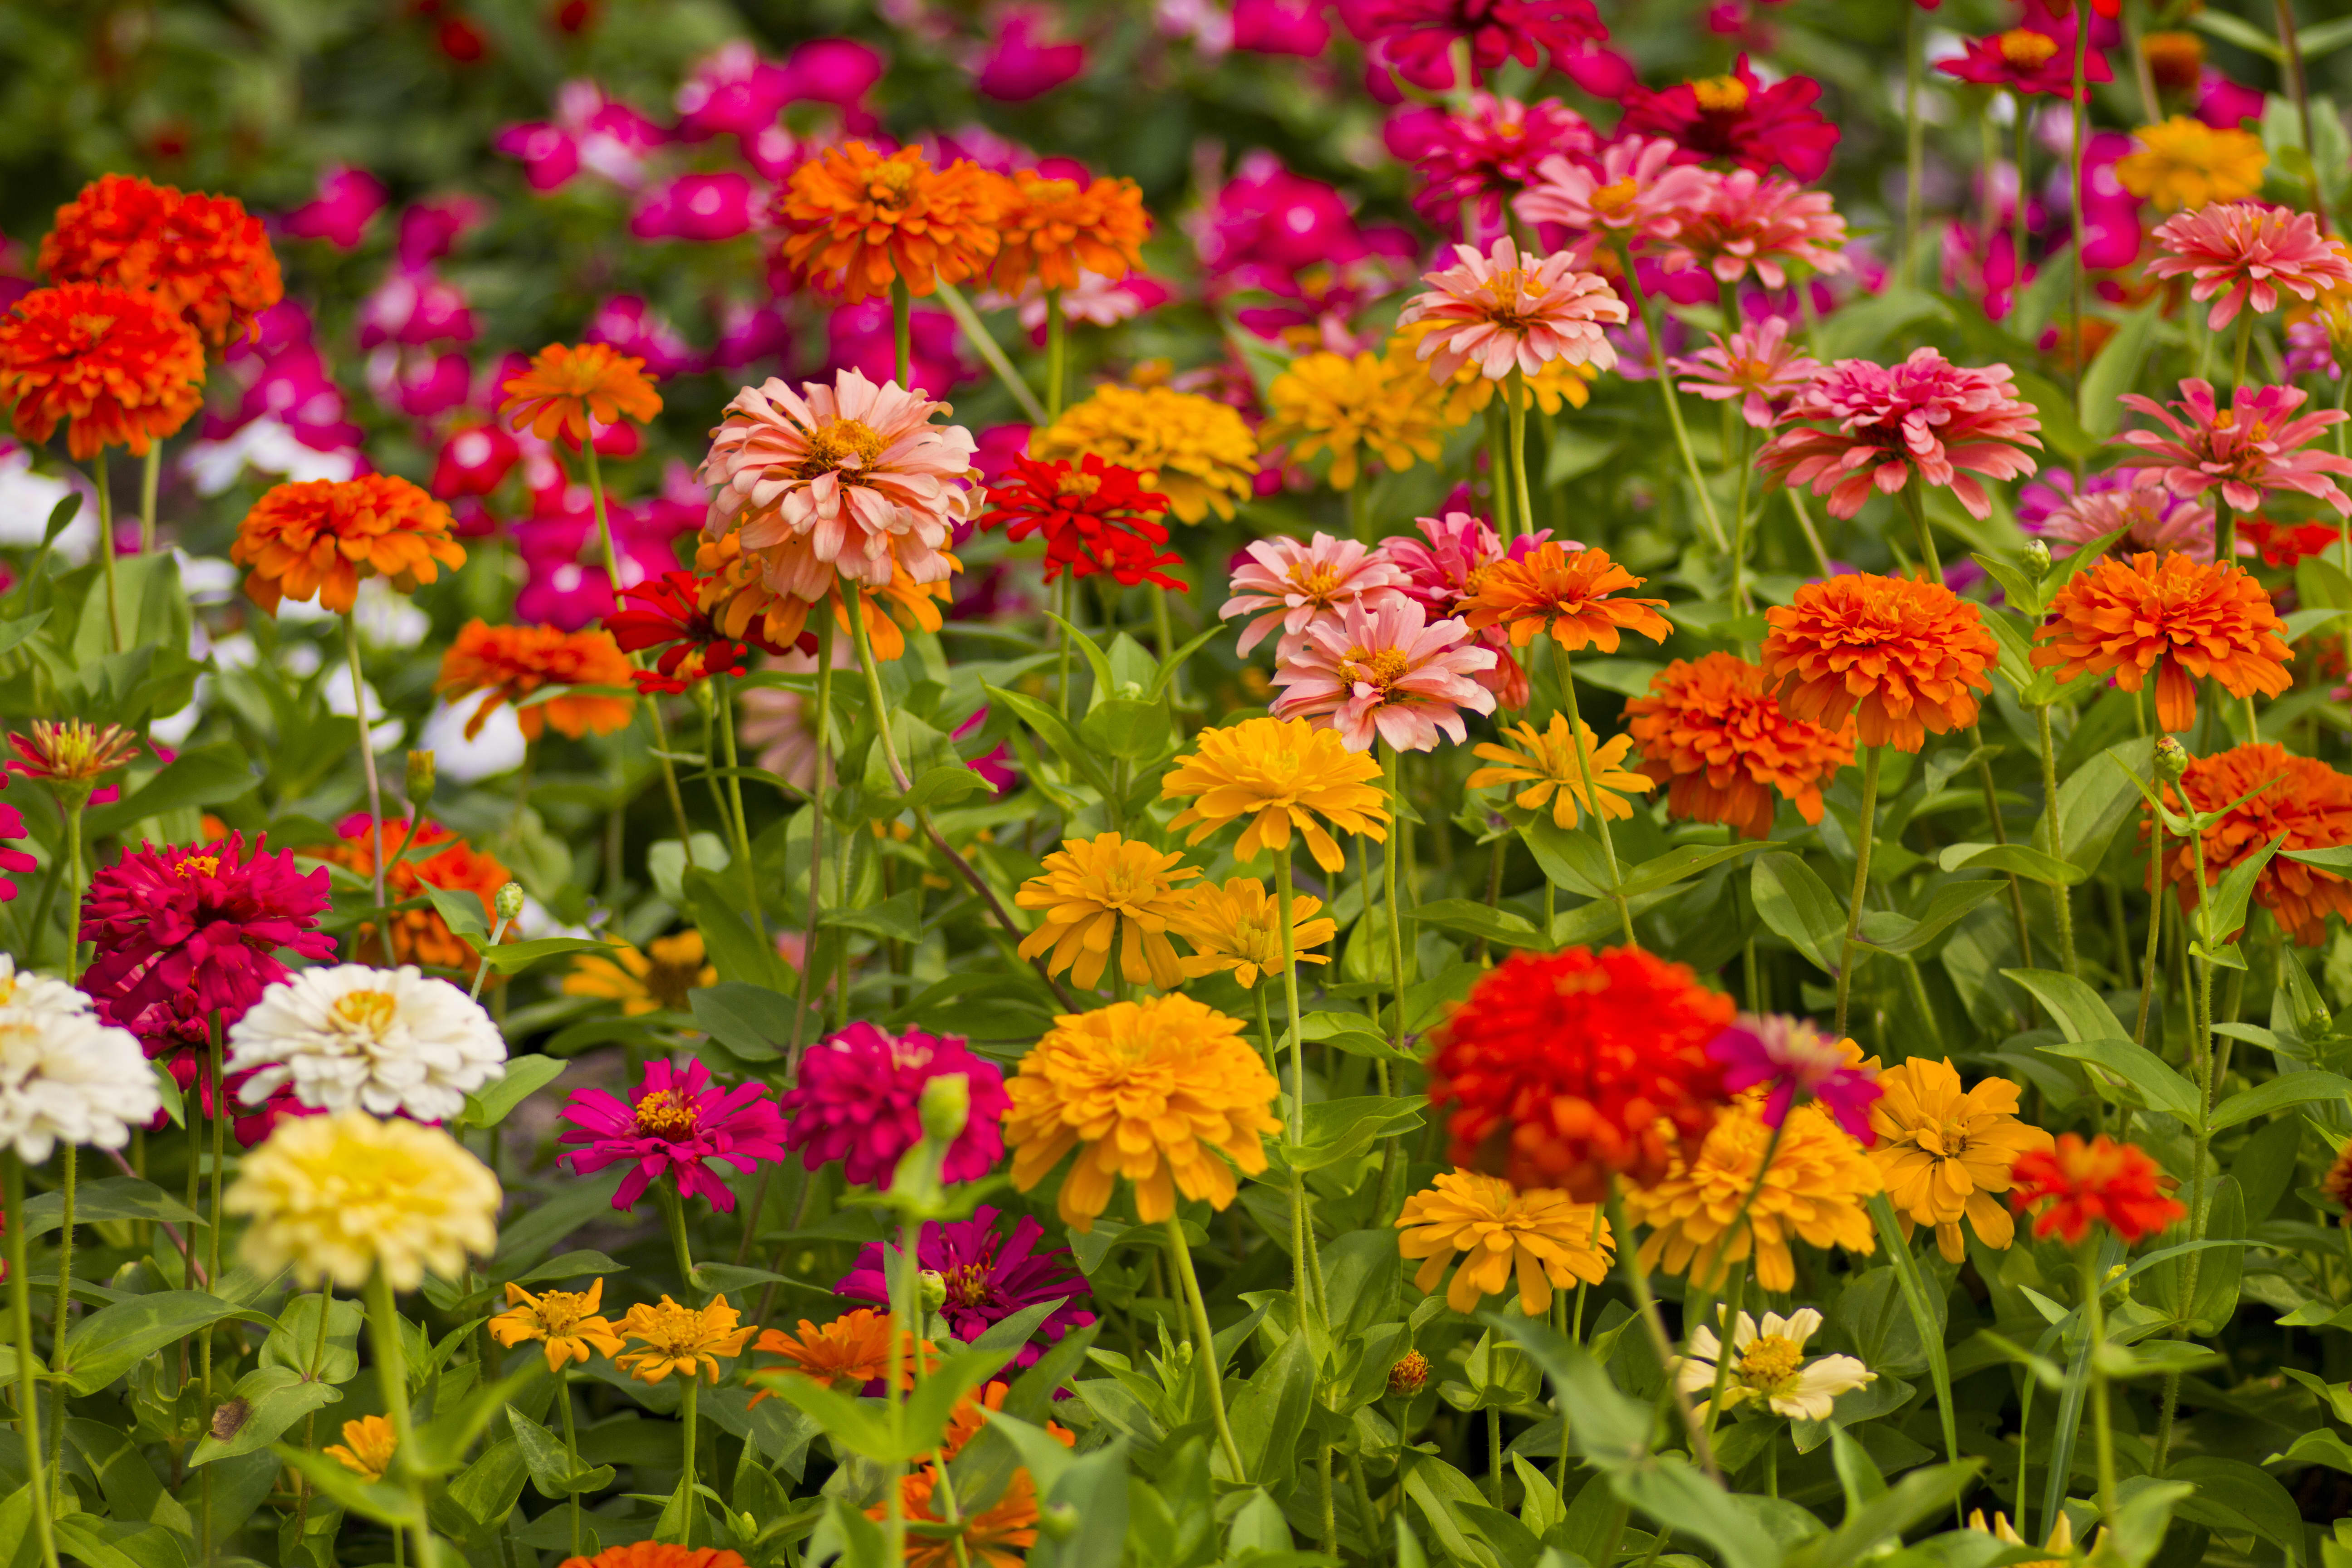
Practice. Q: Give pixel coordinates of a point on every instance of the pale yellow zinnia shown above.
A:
(337, 1197)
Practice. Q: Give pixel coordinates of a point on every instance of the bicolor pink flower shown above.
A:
(1758, 365)
(1485, 154)
(1387, 673)
(1503, 310)
(860, 1100)
(1286, 583)
(200, 922)
(2246, 253)
(1799, 1062)
(1752, 222)
(1447, 569)
(2152, 517)
(677, 1124)
(2255, 446)
(1634, 195)
(1945, 421)
(733, 91)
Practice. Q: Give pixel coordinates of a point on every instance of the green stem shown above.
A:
(310, 1422)
(1306, 1275)
(570, 1444)
(2225, 529)
(1805, 525)
(28, 1405)
(392, 1381)
(1396, 910)
(151, 476)
(2299, 89)
(1643, 302)
(725, 702)
(2095, 1325)
(992, 353)
(1645, 1307)
(1498, 462)
(73, 805)
(673, 1207)
(1848, 955)
(1914, 502)
(58, 1320)
(816, 844)
(902, 339)
(1056, 354)
(1593, 797)
(686, 1483)
(1204, 1346)
(1915, 140)
(1068, 639)
(375, 786)
(106, 553)
(2074, 187)
(2061, 897)
(1515, 406)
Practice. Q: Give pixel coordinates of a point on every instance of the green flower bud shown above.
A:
(509, 904)
(420, 779)
(2171, 759)
(2037, 558)
(931, 1290)
(946, 1106)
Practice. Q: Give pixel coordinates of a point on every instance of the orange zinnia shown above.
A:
(2171, 615)
(205, 256)
(510, 663)
(321, 536)
(1565, 593)
(997, 1537)
(735, 597)
(1714, 735)
(2304, 799)
(1049, 229)
(855, 220)
(419, 935)
(657, 1554)
(1903, 657)
(970, 1415)
(117, 363)
(566, 388)
(849, 1353)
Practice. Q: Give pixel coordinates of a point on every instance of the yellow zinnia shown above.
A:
(1102, 889)
(686, 1341)
(1547, 764)
(567, 1321)
(1238, 927)
(1329, 402)
(1542, 1235)
(337, 1197)
(367, 1448)
(1194, 451)
(1156, 1091)
(1558, 384)
(1280, 774)
(2185, 163)
(1944, 1153)
(647, 981)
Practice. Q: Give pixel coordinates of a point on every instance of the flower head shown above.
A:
(667, 613)
(509, 664)
(1945, 1151)
(1468, 394)
(1385, 673)
(366, 1450)
(2299, 800)
(2288, 545)
(1711, 731)
(1634, 194)
(1926, 416)
(2256, 446)
(1446, 572)
(2134, 503)
(1570, 1068)
(677, 1124)
(28, 992)
(1769, 1366)
(2170, 617)
(117, 366)
(1105, 891)
(1238, 930)
(204, 256)
(1194, 450)
(1095, 517)
(1739, 118)
(12, 827)
(2061, 1541)
(71, 752)
(990, 1275)
(688, 1340)
(570, 1324)
(733, 589)
(1288, 585)
(657, 1554)
(1546, 761)
(389, 1041)
(860, 1100)
(568, 393)
(852, 1352)
(1280, 774)
(998, 1536)
(419, 935)
(1567, 594)
(1163, 1092)
(1331, 403)
(1541, 1235)
(1758, 365)
(201, 921)
(856, 220)
(2033, 61)
(1800, 1063)
(317, 539)
(2183, 164)
(339, 1197)
(2337, 1185)
(2075, 1185)
(1503, 311)
(1485, 152)
(68, 1078)
(659, 978)
(2246, 253)
(1903, 657)
(1420, 39)
(1817, 1191)
(1052, 232)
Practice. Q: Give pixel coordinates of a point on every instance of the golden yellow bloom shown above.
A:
(337, 1197)
(645, 982)
(2061, 1544)
(1547, 764)
(1194, 451)
(367, 1448)
(1543, 1235)
(1821, 1182)
(1944, 1154)
(1557, 384)
(568, 1322)
(1329, 403)
(1105, 889)
(2185, 163)
(1238, 927)
(681, 1340)
(1280, 774)
(1154, 1091)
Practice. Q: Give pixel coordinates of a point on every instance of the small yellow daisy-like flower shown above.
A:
(1095, 891)
(337, 1197)
(1547, 764)
(2185, 163)
(651, 981)
(1944, 1153)
(1155, 1092)
(1557, 386)
(1194, 451)
(1280, 774)
(682, 1339)
(1542, 1235)
(1818, 1190)
(367, 1448)
(1329, 403)
(568, 1322)
(1238, 927)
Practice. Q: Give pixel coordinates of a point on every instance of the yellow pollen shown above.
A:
(2026, 49)
(834, 442)
(967, 1284)
(1080, 486)
(662, 1114)
(560, 1311)
(197, 865)
(891, 184)
(1383, 670)
(1614, 198)
(367, 1010)
(1769, 1361)
(1721, 94)
(2225, 419)
(1317, 583)
(1755, 372)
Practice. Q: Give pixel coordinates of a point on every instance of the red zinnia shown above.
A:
(204, 921)
(2103, 1181)
(205, 256)
(1738, 117)
(116, 362)
(1096, 518)
(2287, 544)
(2028, 60)
(1416, 38)
(667, 613)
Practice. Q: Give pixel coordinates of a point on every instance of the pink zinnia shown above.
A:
(1441, 574)
(1758, 365)
(860, 1100)
(1749, 221)
(677, 1124)
(1738, 117)
(1487, 152)
(1286, 583)
(2246, 450)
(1386, 672)
(1416, 38)
(1636, 193)
(199, 925)
(1925, 415)
(2247, 252)
(2132, 500)
(1503, 310)
(1796, 1060)
(12, 827)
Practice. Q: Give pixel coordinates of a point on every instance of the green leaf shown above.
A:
(112, 1197)
(1796, 904)
(2074, 1007)
(494, 1102)
(276, 1397)
(2225, 914)
(2336, 858)
(1129, 729)
(379, 1501)
(855, 1426)
(1682, 862)
(2115, 369)
(2020, 858)
(16, 631)
(112, 1339)
(2286, 1090)
(2233, 30)
(208, 775)
(512, 957)
(735, 952)
(1465, 917)
(896, 918)
(752, 1021)
(1870, 1527)
(942, 785)
(1056, 732)
(1890, 933)
(2141, 1076)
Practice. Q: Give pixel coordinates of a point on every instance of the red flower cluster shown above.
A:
(2287, 544)
(1738, 117)
(667, 613)
(2099, 1182)
(205, 256)
(1097, 518)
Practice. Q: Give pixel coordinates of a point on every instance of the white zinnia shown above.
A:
(66, 1076)
(381, 1040)
(34, 993)
(1769, 1364)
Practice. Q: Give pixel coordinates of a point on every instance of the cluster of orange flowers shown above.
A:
(419, 935)
(319, 538)
(509, 664)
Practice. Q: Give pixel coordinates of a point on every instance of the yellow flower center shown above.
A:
(675, 1332)
(1383, 670)
(1314, 582)
(1614, 198)
(1721, 94)
(366, 1010)
(967, 1284)
(1751, 372)
(560, 1312)
(197, 865)
(834, 442)
(663, 1114)
(891, 184)
(2027, 49)
(1079, 485)
(1945, 1139)
(1769, 1361)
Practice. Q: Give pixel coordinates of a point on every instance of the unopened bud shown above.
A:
(2171, 759)
(743, 1527)
(1057, 1521)
(946, 1106)
(420, 779)
(2037, 558)
(1410, 1374)
(931, 1290)
(509, 903)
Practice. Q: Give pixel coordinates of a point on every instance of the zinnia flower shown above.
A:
(2246, 253)
(658, 978)
(2299, 800)
(1468, 394)
(28, 992)
(998, 1536)
(202, 256)
(419, 935)
(339, 1197)
(2246, 450)
(118, 367)
(569, 1323)
(1570, 1068)
(677, 1124)
(317, 539)
(852, 1353)
(1385, 673)
(1238, 930)
(1540, 1235)
(1546, 761)
(67, 1077)
(688, 1340)
(1944, 1151)
(1281, 774)
(508, 663)
(2077, 1184)
(856, 221)
(1288, 585)
(1484, 151)
(2132, 501)
(2184, 163)
(971, 1412)
(1634, 194)
(1758, 365)
(1094, 516)
(1331, 402)
(366, 1450)
(735, 591)
(204, 922)
(569, 394)
(1768, 1366)
(1162, 1092)
(391, 1042)
(1711, 732)
(658, 1555)
(667, 613)
(1050, 232)
(1106, 891)
(990, 1276)
(1566, 594)
(1194, 450)
(1503, 311)
(72, 753)
(1741, 118)
(2172, 616)
(2060, 1544)
(2031, 61)
(1800, 1063)
(1903, 657)
(1419, 39)
(1945, 421)
(1447, 570)
(860, 1100)
(12, 827)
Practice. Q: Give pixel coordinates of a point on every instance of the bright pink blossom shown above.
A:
(2246, 253)
(732, 92)
(1282, 26)
(1634, 195)
(2254, 448)
(1416, 38)
(676, 1124)
(989, 1277)
(1758, 365)
(12, 827)
(1485, 154)
(860, 1100)
(200, 921)
(1386, 673)
(1749, 221)
(1503, 310)
(1738, 117)
(1947, 422)
(1800, 1063)
(348, 200)
(473, 462)
(1023, 59)
(1286, 583)
(706, 209)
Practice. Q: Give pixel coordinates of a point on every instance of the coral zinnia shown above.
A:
(989, 1276)
(205, 256)
(1758, 365)
(1329, 403)
(667, 613)
(570, 1323)
(2246, 253)
(419, 935)
(1711, 731)
(2298, 799)
(1279, 773)
(203, 922)
(688, 1340)
(2078, 1184)
(659, 978)
(1566, 594)
(860, 1100)
(1903, 657)
(339, 1197)
(114, 363)
(2170, 616)
(1287, 585)
(1541, 1235)
(1104, 892)
(856, 221)
(1570, 1068)
(1741, 118)
(1750, 222)
(1237, 929)
(2245, 450)
(1162, 1092)
(2131, 502)
(1635, 192)
(1503, 311)
(1194, 450)
(567, 394)
(2184, 163)
(1546, 761)
(1944, 1153)
(1947, 422)
(677, 1123)
(1387, 673)
(1049, 231)
(508, 663)
(317, 539)
(852, 1351)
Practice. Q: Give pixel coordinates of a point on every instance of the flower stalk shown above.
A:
(1205, 1346)
(28, 1405)
(1850, 955)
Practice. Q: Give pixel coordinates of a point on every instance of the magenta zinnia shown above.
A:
(860, 1100)
(2245, 451)
(1945, 421)
(1385, 672)
(1738, 117)
(677, 1124)
(1503, 310)
(199, 924)
(1800, 1063)
(989, 1277)
(1758, 365)
(1486, 153)
(2246, 253)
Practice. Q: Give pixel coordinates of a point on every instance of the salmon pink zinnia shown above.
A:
(1885, 423)
(1758, 365)
(2246, 252)
(1285, 585)
(2245, 450)
(677, 1124)
(1503, 310)
(1635, 192)
(1387, 672)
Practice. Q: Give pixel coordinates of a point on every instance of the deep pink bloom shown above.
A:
(748, 333)
(348, 200)
(2247, 450)
(1758, 365)
(859, 337)
(1797, 1060)
(676, 1124)
(1748, 221)
(2153, 518)
(2029, 60)
(2224, 104)
(418, 382)
(1416, 38)
(473, 460)
(430, 230)
(1387, 673)
(12, 827)
(1023, 60)
(860, 1100)
(1885, 423)
(989, 1277)
(1286, 583)
(176, 1034)
(1484, 153)
(1633, 195)
(732, 92)
(1282, 26)
(200, 921)
(833, 71)
(1740, 119)
(2310, 350)
(702, 207)
(414, 307)
(633, 326)
(1503, 310)
(2246, 252)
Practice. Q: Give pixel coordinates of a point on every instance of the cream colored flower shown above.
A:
(337, 1197)
(1769, 1364)
(67, 1078)
(381, 1040)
